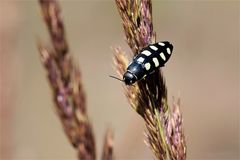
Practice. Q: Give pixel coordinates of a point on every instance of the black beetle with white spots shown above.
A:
(147, 61)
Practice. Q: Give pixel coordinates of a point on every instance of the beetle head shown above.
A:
(129, 78)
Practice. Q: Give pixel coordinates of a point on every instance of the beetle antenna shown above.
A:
(116, 78)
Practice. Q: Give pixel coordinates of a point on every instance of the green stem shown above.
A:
(161, 131)
(160, 127)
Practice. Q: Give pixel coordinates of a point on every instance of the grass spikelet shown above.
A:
(65, 80)
(164, 131)
(107, 153)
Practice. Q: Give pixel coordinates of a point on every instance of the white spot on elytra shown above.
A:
(146, 52)
(154, 48)
(140, 59)
(161, 44)
(163, 56)
(147, 66)
(168, 51)
(155, 60)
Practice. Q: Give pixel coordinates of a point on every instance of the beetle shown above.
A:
(147, 61)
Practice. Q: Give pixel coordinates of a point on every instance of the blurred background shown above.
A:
(204, 68)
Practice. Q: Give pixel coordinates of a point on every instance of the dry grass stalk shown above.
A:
(9, 27)
(148, 97)
(65, 81)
